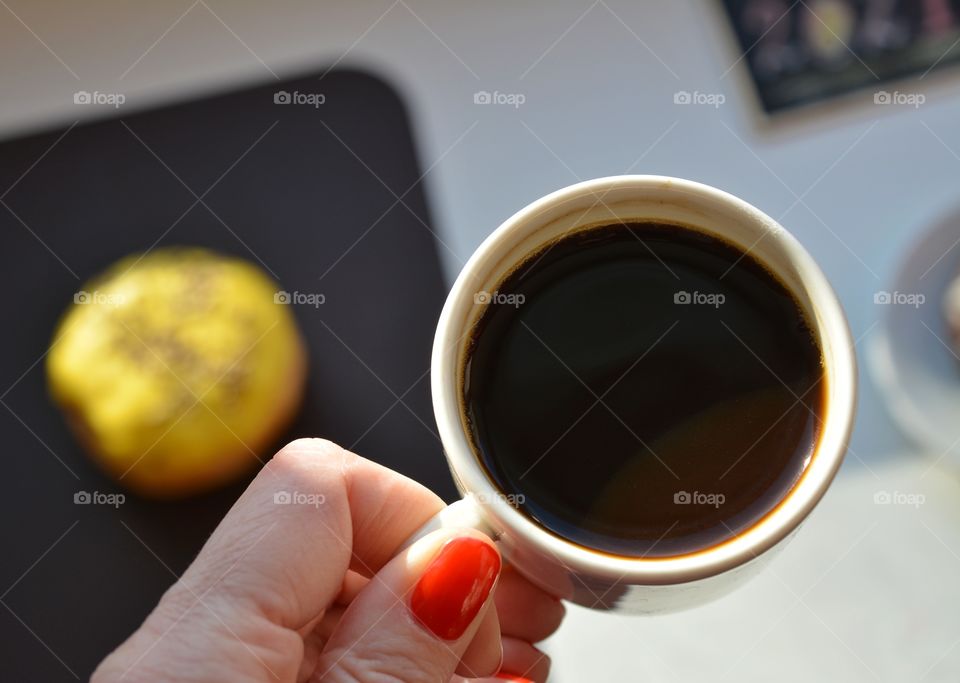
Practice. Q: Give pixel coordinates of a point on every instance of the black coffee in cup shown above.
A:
(644, 389)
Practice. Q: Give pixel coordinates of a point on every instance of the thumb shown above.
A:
(418, 616)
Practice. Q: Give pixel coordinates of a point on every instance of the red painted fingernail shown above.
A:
(511, 677)
(454, 586)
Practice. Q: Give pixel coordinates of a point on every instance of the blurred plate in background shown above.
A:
(911, 357)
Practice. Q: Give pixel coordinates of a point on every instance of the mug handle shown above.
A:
(464, 513)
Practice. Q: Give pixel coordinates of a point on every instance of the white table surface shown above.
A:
(866, 592)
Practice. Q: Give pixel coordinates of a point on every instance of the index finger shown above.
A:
(313, 512)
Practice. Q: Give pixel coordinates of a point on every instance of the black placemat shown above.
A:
(306, 186)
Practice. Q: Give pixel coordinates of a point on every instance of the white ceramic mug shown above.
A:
(577, 573)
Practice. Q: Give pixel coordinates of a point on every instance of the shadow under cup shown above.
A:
(540, 543)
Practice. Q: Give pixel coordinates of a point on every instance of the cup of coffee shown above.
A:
(643, 386)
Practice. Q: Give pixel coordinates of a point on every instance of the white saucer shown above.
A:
(911, 357)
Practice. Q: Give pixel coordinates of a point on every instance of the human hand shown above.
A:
(316, 590)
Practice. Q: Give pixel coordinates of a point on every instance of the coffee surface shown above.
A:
(644, 389)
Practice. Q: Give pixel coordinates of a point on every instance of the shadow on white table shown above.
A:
(867, 591)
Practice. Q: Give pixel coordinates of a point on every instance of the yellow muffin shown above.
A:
(177, 368)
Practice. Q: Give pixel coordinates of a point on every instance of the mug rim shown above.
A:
(840, 374)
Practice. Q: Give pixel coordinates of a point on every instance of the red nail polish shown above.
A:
(454, 586)
(511, 677)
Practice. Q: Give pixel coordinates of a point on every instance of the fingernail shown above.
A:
(454, 586)
(511, 677)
